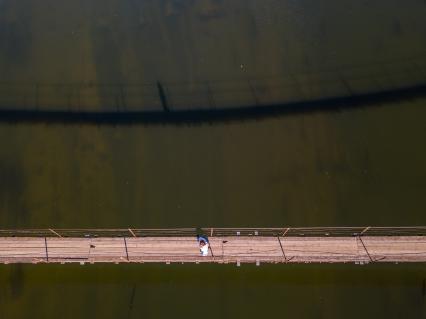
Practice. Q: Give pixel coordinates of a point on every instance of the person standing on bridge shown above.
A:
(204, 245)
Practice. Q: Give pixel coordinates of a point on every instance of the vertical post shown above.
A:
(210, 246)
(125, 245)
(211, 250)
(282, 249)
(223, 252)
(45, 247)
(90, 249)
(365, 248)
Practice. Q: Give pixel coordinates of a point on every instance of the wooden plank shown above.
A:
(163, 246)
(68, 248)
(22, 249)
(250, 249)
(399, 248)
(228, 249)
(321, 249)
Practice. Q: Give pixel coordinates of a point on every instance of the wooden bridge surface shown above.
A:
(235, 249)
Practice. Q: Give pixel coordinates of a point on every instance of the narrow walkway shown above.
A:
(224, 249)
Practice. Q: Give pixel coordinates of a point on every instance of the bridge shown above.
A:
(359, 245)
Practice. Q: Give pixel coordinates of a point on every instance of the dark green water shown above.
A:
(109, 55)
(352, 168)
(363, 166)
(303, 291)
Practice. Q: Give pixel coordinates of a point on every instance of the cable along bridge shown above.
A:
(359, 245)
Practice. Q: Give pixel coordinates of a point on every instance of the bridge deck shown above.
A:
(239, 249)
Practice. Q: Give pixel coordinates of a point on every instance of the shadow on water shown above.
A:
(249, 112)
(132, 300)
(163, 97)
(14, 285)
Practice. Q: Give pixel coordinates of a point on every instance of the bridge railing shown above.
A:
(220, 232)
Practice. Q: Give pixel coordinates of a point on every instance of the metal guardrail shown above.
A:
(220, 232)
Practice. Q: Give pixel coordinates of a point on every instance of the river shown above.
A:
(350, 166)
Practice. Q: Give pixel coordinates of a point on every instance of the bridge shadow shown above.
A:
(249, 112)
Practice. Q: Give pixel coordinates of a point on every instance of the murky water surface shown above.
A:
(358, 166)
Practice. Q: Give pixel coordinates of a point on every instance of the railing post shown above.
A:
(54, 232)
(131, 232)
(365, 230)
(282, 249)
(45, 247)
(365, 248)
(286, 231)
(125, 246)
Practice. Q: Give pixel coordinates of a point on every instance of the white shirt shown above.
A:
(204, 250)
